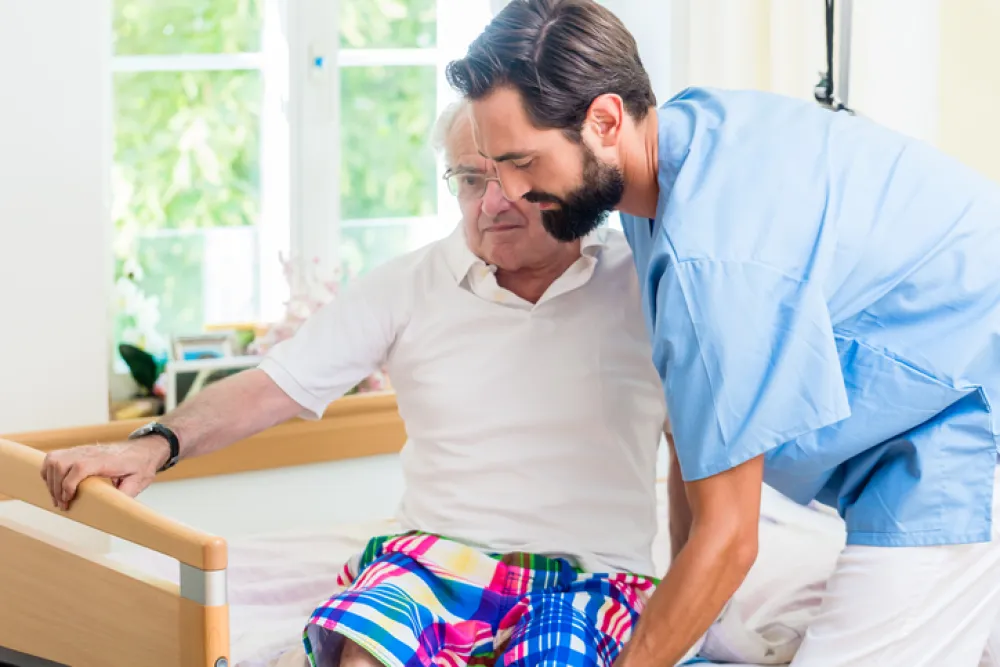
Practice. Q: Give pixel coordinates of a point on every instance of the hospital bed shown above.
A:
(70, 604)
(190, 599)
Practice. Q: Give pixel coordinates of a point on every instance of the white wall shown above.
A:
(54, 250)
(969, 83)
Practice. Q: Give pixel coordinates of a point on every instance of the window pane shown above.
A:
(199, 277)
(145, 27)
(187, 158)
(387, 163)
(186, 149)
(388, 24)
(363, 248)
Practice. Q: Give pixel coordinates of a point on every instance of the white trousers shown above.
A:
(933, 606)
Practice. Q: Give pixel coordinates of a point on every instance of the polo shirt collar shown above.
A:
(461, 259)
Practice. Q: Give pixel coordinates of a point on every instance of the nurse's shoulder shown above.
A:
(736, 110)
(745, 176)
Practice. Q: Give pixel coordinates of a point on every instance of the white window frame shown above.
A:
(458, 23)
(300, 61)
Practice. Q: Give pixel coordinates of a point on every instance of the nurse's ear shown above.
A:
(604, 120)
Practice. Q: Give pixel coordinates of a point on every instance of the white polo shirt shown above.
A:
(531, 427)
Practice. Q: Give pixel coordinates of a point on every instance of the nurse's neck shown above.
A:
(640, 163)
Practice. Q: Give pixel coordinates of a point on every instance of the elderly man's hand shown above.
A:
(130, 465)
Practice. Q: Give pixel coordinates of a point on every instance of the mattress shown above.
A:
(276, 580)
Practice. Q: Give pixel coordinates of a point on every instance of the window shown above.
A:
(248, 129)
(388, 103)
(186, 177)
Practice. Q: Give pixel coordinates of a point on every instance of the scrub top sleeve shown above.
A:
(747, 358)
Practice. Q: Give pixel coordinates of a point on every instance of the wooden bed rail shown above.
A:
(101, 506)
(353, 427)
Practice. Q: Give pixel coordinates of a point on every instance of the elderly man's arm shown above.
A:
(340, 345)
(224, 413)
(720, 550)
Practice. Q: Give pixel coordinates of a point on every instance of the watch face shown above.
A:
(142, 431)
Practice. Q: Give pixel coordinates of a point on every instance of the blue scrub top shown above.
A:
(826, 292)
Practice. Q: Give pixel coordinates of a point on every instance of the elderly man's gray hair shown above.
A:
(446, 123)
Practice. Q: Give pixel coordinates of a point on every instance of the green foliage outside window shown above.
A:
(171, 27)
(388, 24)
(187, 144)
(387, 164)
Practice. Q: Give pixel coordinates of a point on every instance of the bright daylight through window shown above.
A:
(216, 171)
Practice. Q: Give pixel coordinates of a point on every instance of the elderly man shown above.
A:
(823, 297)
(533, 413)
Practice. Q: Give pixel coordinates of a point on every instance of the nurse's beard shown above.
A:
(584, 209)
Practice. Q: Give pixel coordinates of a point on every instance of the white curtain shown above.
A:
(774, 45)
(926, 68)
(780, 46)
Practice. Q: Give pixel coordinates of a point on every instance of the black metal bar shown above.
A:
(10, 658)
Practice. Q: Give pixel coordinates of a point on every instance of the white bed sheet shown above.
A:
(277, 580)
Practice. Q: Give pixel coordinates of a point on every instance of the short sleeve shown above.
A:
(747, 358)
(342, 343)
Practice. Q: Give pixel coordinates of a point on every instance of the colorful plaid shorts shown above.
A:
(420, 600)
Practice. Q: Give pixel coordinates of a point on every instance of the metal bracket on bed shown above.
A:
(206, 587)
(9, 658)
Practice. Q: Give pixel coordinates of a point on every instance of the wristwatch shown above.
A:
(155, 428)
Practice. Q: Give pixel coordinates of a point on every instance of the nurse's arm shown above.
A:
(721, 548)
(678, 507)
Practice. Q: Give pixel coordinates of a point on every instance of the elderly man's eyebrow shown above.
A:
(467, 169)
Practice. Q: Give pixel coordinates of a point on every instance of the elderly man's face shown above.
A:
(507, 234)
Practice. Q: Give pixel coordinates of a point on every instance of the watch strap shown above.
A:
(155, 428)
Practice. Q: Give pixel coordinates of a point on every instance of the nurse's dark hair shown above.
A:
(559, 55)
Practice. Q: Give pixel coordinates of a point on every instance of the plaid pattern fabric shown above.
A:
(420, 600)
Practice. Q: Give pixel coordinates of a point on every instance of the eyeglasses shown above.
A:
(469, 185)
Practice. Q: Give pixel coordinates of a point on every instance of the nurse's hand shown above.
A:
(720, 550)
